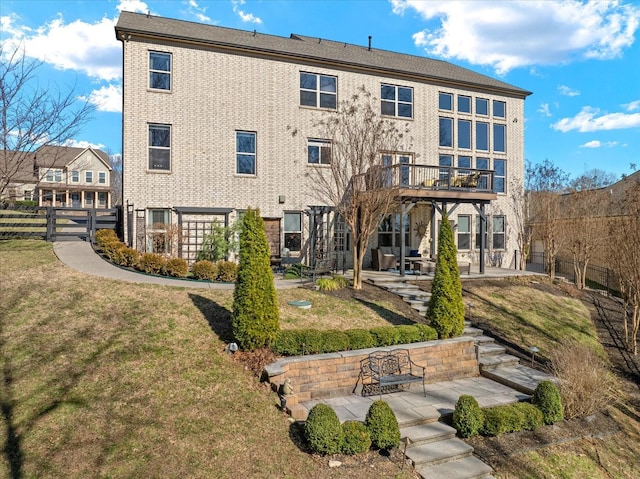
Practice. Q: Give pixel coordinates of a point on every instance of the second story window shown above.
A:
(75, 176)
(499, 109)
(245, 152)
(499, 176)
(102, 177)
(445, 101)
(160, 71)
(482, 136)
(160, 147)
(318, 91)
(88, 176)
(499, 137)
(464, 134)
(318, 152)
(482, 106)
(396, 101)
(464, 104)
(446, 132)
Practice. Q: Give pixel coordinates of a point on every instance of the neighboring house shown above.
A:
(61, 176)
(205, 117)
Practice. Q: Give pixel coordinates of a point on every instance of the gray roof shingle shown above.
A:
(313, 50)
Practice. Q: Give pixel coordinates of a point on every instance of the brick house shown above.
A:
(205, 116)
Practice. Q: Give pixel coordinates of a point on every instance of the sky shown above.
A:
(581, 59)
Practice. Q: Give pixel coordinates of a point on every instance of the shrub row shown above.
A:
(325, 435)
(546, 408)
(295, 342)
(226, 271)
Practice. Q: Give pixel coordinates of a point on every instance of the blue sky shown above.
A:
(581, 59)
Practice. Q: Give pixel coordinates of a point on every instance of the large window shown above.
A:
(318, 152)
(318, 91)
(499, 138)
(483, 164)
(158, 219)
(498, 232)
(464, 104)
(446, 132)
(389, 231)
(482, 136)
(160, 71)
(292, 231)
(245, 152)
(464, 134)
(482, 106)
(396, 101)
(53, 176)
(160, 147)
(499, 109)
(445, 161)
(445, 101)
(464, 162)
(464, 232)
(499, 176)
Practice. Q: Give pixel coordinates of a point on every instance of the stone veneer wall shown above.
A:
(336, 374)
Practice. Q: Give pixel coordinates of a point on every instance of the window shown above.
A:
(160, 147)
(341, 235)
(318, 91)
(157, 230)
(102, 199)
(102, 177)
(292, 231)
(482, 106)
(53, 175)
(464, 162)
(88, 176)
(446, 132)
(486, 237)
(245, 153)
(464, 232)
(58, 175)
(482, 136)
(499, 137)
(464, 104)
(28, 195)
(75, 176)
(396, 101)
(498, 232)
(446, 161)
(389, 231)
(499, 109)
(464, 134)
(404, 169)
(88, 198)
(499, 176)
(318, 152)
(483, 164)
(160, 71)
(445, 101)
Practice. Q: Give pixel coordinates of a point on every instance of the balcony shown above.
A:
(424, 182)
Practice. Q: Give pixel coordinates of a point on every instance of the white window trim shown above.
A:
(102, 178)
(396, 101)
(149, 147)
(254, 154)
(318, 91)
(88, 177)
(322, 145)
(170, 72)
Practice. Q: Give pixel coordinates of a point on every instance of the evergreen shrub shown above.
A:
(204, 270)
(334, 340)
(341, 281)
(385, 335)
(227, 271)
(546, 397)
(151, 263)
(323, 430)
(356, 438)
(468, 417)
(289, 342)
(176, 267)
(360, 339)
(427, 333)
(511, 418)
(382, 425)
(408, 333)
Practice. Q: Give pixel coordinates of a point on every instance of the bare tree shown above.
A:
(520, 199)
(356, 182)
(116, 178)
(592, 179)
(545, 182)
(32, 115)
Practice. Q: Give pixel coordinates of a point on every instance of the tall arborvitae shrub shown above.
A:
(446, 309)
(255, 306)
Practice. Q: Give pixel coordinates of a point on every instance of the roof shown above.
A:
(60, 156)
(313, 50)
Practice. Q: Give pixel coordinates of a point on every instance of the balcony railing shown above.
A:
(426, 177)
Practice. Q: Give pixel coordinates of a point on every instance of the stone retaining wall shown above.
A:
(336, 374)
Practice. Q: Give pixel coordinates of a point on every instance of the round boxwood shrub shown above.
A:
(289, 342)
(382, 425)
(334, 340)
(312, 341)
(531, 417)
(385, 335)
(511, 418)
(176, 267)
(205, 270)
(323, 430)
(360, 339)
(227, 271)
(356, 438)
(547, 398)
(468, 417)
(151, 263)
(408, 333)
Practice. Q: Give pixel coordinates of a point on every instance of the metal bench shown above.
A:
(385, 371)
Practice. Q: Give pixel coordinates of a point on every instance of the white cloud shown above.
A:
(599, 144)
(133, 6)
(108, 98)
(83, 144)
(544, 109)
(565, 90)
(197, 11)
(634, 105)
(512, 34)
(244, 16)
(589, 119)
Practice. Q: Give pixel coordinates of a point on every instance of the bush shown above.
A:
(385, 335)
(293, 272)
(289, 342)
(586, 383)
(427, 333)
(323, 430)
(205, 270)
(334, 340)
(408, 334)
(360, 339)
(383, 426)
(126, 256)
(151, 263)
(468, 417)
(356, 438)
(227, 271)
(341, 281)
(105, 236)
(327, 284)
(176, 267)
(511, 418)
(547, 398)
(312, 341)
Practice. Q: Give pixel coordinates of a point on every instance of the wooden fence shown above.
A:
(52, 223)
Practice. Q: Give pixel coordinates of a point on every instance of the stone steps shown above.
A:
(519, 377)
(468, 467)
(439, 452)
(427, 433)
(495, 361)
